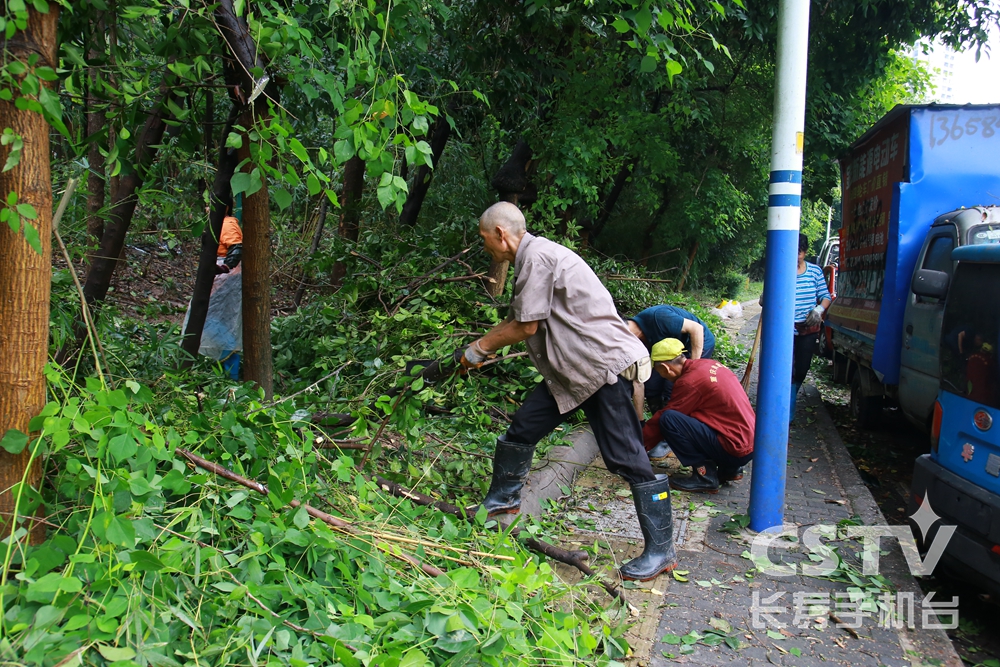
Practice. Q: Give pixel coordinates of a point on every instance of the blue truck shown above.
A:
(916, 322)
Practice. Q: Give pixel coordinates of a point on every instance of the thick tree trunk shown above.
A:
(25, 276)
(123, 206)
(258, 365)
(422, 180)
(350, 207)
(221, 200)
(257, 362)
(96, 134)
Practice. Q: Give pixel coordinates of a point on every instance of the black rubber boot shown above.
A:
(730, 474)
(656, 519)
(704, 479)
(511, 465)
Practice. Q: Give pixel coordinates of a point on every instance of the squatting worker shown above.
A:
(588, 359)
(708, 423)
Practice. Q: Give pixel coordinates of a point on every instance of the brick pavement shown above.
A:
(822, 487)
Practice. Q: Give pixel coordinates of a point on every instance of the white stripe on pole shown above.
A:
(789, 113)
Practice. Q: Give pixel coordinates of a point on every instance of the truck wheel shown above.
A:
(840, 364)
(866, 410)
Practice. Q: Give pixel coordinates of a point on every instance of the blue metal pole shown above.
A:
(767, 487)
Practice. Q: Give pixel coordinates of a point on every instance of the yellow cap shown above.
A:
(667, 349)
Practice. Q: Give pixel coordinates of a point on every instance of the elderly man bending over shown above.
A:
(588, 359)
(708, 422)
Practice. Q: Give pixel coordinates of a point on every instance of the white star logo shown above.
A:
(925, 517)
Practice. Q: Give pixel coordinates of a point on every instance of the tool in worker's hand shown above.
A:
(753, 353)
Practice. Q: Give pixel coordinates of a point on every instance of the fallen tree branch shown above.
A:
(415, 284)
(574, 558)
(328, 519)
(458, 279)
(640, 280)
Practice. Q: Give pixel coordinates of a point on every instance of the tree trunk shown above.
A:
(687, 269)
(25, 276)
(608, 205)
(511, 183)
(350, 206)
(323, 206)
(422, 180)
(123, 206)
(258, 365)
(221, 200)
(96, 135)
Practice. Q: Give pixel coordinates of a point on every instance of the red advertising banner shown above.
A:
(868, 176)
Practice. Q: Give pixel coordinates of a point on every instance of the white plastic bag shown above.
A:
(728, 309)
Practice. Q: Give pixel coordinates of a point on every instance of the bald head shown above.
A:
(505, 215)
(502, 228)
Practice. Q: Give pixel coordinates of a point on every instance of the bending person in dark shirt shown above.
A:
(708, 422)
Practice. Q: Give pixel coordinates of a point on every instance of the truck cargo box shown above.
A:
(914, 164)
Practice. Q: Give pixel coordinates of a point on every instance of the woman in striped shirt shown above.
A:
(812, 298)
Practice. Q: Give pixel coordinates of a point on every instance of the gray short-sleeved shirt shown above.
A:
(581, 343)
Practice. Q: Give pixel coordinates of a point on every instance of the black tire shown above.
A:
(866, 410)
(840, 366)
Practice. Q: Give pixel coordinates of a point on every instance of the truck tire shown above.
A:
(866, 410)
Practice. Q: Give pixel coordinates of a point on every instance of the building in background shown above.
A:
(956, 75)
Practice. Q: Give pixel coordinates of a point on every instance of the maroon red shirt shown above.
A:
(710, 393)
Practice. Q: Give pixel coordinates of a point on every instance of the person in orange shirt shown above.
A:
(230, 242)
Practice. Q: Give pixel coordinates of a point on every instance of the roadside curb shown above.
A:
(923, 647)
(556, 469)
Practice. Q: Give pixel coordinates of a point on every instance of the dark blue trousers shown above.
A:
(611, 416)
(693, 442)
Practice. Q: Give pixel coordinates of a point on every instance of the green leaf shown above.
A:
(298, 149)
(27, 211)
(282, 197)
(240, 182)
(122, 447)
(145, 562)
(120, 531)
(648, 64)
(643, 20)
(14, 441)
(673, 69)
(797, 652)
(313, 184)
(234, 140)
(343, 151)
(621, 25)
(301, 518)
(115, 653)
(32, 237)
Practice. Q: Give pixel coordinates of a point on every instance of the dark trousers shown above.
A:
(611, 416)
(803, 349)
(693, 442)
(659, 389)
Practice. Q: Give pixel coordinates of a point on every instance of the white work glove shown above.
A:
(815, 316)
(474, 356)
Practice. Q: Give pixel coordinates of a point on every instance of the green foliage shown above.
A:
(157, 562)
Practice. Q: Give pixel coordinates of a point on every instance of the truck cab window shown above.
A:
(938, 258)
(971, 334)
